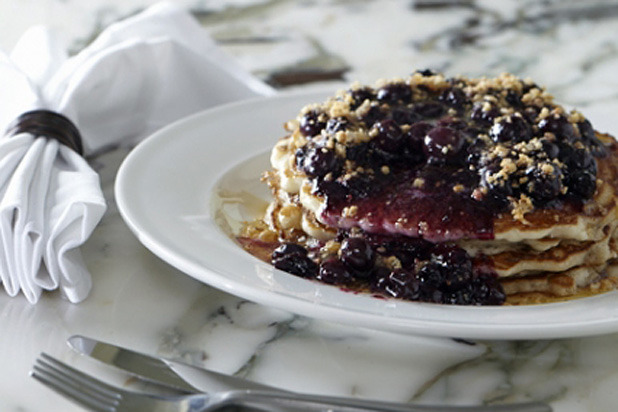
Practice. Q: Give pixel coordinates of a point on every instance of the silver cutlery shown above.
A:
(170, 372)
(97, 395)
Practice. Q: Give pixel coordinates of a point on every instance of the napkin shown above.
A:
(138, 75)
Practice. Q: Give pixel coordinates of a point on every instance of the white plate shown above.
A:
(168, 191)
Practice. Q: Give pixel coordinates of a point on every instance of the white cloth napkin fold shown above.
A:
(138, 75)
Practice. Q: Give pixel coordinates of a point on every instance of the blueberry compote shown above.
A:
(425, 271)
(407, 168)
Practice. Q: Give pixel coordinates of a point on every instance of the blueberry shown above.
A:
(513, 98)
(485, 290)
(583, 159)
(430, 276)
(582, 184)
(559, 126)
(457, 278)
(358, 153)
(565, 152)
(413, 141)
(511, 129)
(379, 278)
(482, 116)
(475, 151)
(431, 283)
(372, 115)
(294, 262)
(360, 95)
(408, 250)
(418, 131)
(357, 254)
(320, 161)
(450, 255)
(400, 284)
(289, 249)
(454, 97)
(333, 271)
(551, 149)
(497, 191)
(337, 124)
(460, 296)
(530, 113)
(310, 124)
(589, 137)
(333, 190)
(579, 158)
(586, 130)
(389, 134)
(544, 186)
(394, 92)
(442, 142)
(497, 197)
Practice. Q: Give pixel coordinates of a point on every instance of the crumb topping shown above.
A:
(515, 148)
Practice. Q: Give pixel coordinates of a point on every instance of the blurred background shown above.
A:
(570, 46)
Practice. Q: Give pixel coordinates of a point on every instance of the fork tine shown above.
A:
(51, 373)
(74, 384)
(80, 378)
(71, 393)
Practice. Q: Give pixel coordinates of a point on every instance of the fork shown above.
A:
(97, 395)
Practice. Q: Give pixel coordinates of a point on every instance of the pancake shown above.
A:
(446, 190)
(578, 282)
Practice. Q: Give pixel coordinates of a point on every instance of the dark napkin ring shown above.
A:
(49, 124)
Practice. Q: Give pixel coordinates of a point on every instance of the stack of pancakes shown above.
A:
(553, 254)
(544, 255)
(558, 253)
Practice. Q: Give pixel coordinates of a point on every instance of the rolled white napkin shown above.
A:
(138, 75)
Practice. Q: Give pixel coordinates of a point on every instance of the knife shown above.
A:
(179, 375)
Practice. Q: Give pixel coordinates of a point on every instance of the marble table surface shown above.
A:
(137, 300)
